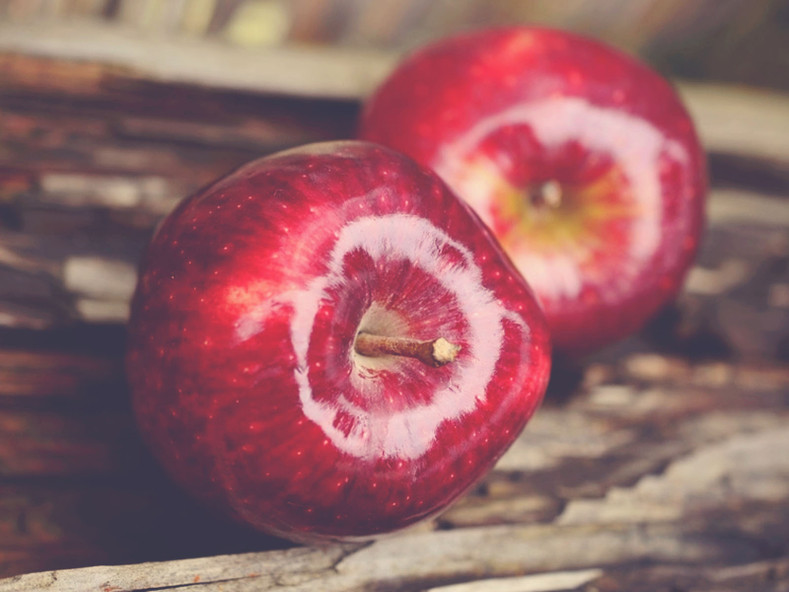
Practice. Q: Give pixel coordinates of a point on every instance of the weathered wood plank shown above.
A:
(296, 71)
(29, 374)
(739, 120)
(416, 560)
(545, 582)
(731, 119)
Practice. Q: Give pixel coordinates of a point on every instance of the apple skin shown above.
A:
(241, 361)
(582, 161)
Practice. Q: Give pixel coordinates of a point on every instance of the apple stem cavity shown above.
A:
(546, 195)
(435, 352)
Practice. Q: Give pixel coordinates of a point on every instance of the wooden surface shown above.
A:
(660, 464)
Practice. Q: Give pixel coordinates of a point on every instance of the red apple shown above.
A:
(582, 161)
(282, 351)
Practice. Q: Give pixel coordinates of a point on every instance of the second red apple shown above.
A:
(582, 160)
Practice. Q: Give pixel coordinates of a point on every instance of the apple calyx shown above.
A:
(435, 352)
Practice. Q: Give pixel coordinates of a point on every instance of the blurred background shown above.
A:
(739, 41)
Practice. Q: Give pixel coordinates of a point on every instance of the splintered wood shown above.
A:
(659, 464)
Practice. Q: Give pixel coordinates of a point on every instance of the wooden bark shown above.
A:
(659, 464)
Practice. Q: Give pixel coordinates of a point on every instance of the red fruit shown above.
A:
(582, 161)
(248, 378)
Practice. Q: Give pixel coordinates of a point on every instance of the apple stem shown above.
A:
(547, 195)
(435, 352)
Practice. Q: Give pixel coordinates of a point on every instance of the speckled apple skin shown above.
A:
(241, 363)
(497, 112)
